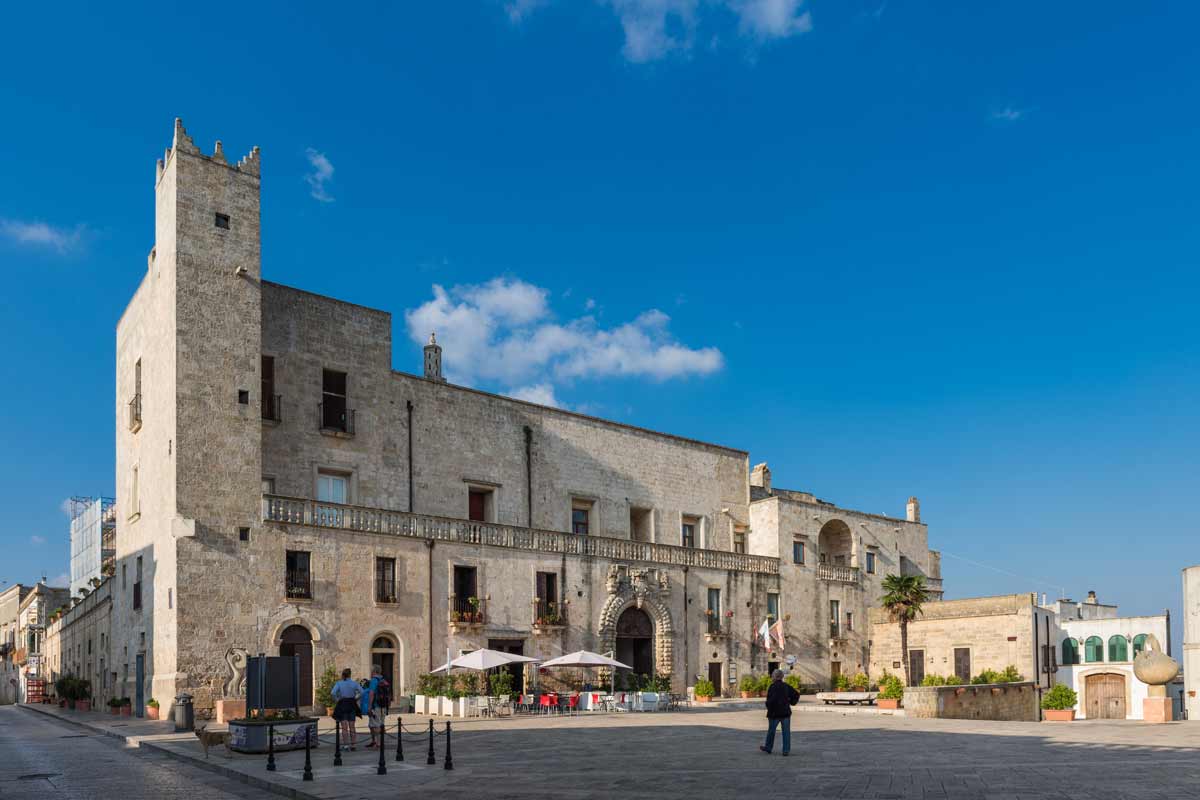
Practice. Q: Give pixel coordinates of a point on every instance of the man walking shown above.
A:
(780, 699)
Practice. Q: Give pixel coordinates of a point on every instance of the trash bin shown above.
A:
(185, 717)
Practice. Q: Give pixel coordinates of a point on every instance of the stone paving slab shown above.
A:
(714, 754)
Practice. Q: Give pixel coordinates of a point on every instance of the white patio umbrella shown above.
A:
(586, 658)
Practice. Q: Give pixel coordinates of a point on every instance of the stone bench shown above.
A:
(850, 698)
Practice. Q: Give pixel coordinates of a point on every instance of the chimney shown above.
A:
(433, 360)
(914, 510)
(760, 476)
(1091, 598)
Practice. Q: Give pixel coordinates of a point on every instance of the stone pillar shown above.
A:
(914, 510)
(1157, 707)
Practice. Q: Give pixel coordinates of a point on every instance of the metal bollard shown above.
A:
(449, 758)
(337, 743)
(382, 770)
(399, 739)
(307, 776)
(271, 748)
(431, 759)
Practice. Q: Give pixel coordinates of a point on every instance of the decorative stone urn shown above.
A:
(1156, 669)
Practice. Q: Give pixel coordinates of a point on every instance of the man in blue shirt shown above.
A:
(373, 714)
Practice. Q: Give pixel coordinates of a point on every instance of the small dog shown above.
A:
(213, 739)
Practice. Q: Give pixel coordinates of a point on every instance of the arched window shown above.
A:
(1118, 648)
(1139, 644)
(1093, 649)
(1070, 652)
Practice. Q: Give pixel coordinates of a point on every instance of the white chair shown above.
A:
(483, 706)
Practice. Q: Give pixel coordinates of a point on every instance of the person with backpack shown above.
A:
(375, 700)
(780, 699)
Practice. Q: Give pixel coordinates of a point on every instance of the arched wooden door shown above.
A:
(635, 642)
(1105, 696)
(383, 655)
(297, 641)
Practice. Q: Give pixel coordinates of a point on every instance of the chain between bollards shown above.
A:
(271, 748)
(337, 743)
(307, 754)
(449, 758)
(432, 759)
(399, 738)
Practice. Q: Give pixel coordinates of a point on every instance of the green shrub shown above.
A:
(860, 682)
(952, 680)
(793, 681)
(987, 676)
(1060, 698)
(1010, 675)
(748, 683)
(933, 680)
(891, 687)
(329, 676)
(841, 682)
(152, 703)
(431, 685)
(763, 683)
(502, 683)
(704, 688)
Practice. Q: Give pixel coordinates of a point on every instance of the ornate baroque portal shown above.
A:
(646, 589)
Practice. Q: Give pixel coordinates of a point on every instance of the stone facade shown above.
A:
(1009, 702)
(24, 640)
(261, 426)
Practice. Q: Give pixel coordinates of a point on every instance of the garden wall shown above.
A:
(1012, 702)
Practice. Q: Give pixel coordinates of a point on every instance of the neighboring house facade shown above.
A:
(12, 646)
(282, 489)
(1091, 648)
(23, 636)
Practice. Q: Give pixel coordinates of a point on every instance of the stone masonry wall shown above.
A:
(1009, 702)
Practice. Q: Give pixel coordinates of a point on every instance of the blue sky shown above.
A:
(891, 248)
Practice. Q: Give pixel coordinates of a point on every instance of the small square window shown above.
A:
(797, 552)
(222, 221)
(243, 397)
(243, 534)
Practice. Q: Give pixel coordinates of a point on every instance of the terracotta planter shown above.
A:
(703, 698)
(115, 710)
(888, 704)
(83, 705)
(151, 712)
(748, 695)
(126, 711)
(329, 711)
(1059, 715)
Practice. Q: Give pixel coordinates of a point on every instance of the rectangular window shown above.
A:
(687, 534)
(641, 523)
(385, 580)
(835, 615)
(135, 506)
(332, 488)
(962, 663)
(480, 505)
(548, 611)
(849, 620)
(916, 667)
(333, 400)
(581, 517)
(137, 585)
(243, 534)
(243, 397)
(870, 563)
(221, 220)
(298, 576)
(270, 402)
(739, 541)
(714, 610)
(797, 551)
(466, 605)
(773, 606)
(268, 486)
(170, 598)
(124, 577)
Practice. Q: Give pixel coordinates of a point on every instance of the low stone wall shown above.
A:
(1012, 702)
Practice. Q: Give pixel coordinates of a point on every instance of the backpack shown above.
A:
(383, 694)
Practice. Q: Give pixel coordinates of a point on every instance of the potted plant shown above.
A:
(860, 682)
(151, 709)
(329, 677)
(841, 683)
(1059, 703)
(748, 686)
(126, 707)
(502, 684)
(704, 690)
(114, 706)
(83, 695)
(891, 692)
(792, 680)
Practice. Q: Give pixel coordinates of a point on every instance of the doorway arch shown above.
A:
(635, 641)
(296, 640)
(835, 544)
(385, 652)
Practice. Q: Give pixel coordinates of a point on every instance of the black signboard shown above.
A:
(273, 682)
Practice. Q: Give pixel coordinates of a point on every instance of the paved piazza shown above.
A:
(698, 754)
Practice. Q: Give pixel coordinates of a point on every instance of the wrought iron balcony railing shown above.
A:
(299, 584)
(135, 412)
(272, 408)
(468, 610)
(549, 613)
(299, 511)
(335, 419)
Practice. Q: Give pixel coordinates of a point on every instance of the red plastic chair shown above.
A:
(573, 703)
(545, 702)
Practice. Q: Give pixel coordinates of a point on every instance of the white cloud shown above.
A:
(1010, 114)
(39, 234)
(322, 173)
(772, 19)
(503, 332)
(518, 10)
(589, 304)
(655, 28)
(37, 540)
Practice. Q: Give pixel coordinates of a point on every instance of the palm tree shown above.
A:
(904, 595)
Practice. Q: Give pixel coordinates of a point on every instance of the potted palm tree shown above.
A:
(903, 597)
(704, 690)
(1059, 703)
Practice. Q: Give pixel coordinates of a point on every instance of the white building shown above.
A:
(1191, 640)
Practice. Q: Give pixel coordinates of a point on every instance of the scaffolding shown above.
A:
(93, 541)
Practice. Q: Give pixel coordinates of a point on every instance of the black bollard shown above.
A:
(382, 770)
(399, 739)
(307, 755)
(337, 743)
(449, 758)
(271, 748)
(431, 759)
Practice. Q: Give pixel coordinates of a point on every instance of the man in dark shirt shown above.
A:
(780, 699)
